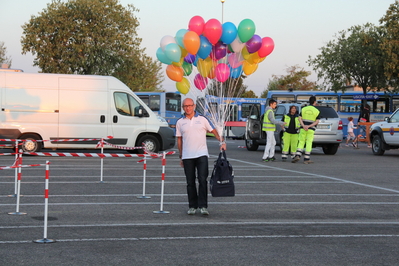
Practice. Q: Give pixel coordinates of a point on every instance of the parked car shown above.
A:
(328, 134)
(385, 135)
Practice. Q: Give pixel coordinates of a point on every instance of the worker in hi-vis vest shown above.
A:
(290, 135)
(269, 126)
(309, 118)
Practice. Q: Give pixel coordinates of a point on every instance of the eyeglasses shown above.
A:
(190, 105)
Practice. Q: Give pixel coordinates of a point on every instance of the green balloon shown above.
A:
(246, 30)
(187, 68)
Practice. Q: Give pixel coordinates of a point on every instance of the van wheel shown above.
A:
(377, 145)
(330, 149)
(252, 145)
(150, 142)
(30, 144)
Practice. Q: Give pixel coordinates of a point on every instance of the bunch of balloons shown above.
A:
(218, 51)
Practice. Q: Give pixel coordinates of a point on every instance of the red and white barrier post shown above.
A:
(19, 164)
(45, 217)
(144, 177)
(102, 161)
(163, 184)
(16, 171)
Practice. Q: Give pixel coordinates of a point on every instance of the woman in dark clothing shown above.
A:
(364, 117)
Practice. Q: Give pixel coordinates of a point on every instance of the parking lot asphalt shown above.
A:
(341, 210)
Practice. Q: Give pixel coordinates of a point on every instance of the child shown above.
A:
(351, 134)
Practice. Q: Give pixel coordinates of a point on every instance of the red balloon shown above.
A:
(200, 82)
(267, 47)
(196, 24)
(212, 30)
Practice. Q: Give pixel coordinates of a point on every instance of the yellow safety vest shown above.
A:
(267, 125)
(309, 114)
(287, 119)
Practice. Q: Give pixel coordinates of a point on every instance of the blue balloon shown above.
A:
(162, 57)
(196, 61)
(229, 32)
(173, 52)
(235, 72)
(179, 37)
(205, 47)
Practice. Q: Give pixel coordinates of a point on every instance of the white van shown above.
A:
(59, 106)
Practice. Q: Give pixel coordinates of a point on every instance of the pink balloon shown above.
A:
(212, 30)
(267, 47)
(222, 72)
(196, 24)
(235, 60)
(200, 82)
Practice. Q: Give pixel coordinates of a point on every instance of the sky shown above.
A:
(299, 28)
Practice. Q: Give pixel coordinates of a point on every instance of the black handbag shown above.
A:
(221, 182)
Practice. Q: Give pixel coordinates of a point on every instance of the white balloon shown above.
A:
(237, 45)
(167, 39)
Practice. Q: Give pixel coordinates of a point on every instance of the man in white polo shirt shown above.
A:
(191, 131)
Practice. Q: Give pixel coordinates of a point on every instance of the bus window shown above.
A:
(155, 102)
(395, 103)
(349, 105)
(380, 106)
(331, 101)
(303, 99)
(246, 108)
(173, 102)
(232, 111)
(283, 98)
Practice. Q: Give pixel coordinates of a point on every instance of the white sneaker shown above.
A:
(191, 211)
(204, 211)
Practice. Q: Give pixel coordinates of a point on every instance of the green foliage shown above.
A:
(4, 59)
(249, 94)
(296, 78)
(390, 45)
(230, 88)
(90, 37)
(355, 55)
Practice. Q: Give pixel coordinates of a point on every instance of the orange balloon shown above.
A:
(175, 73)
(191, 42)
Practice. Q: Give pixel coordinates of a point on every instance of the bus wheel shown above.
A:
(30, 144)
(252, 145)
(330, 149)
(150, 142)
(377, 145)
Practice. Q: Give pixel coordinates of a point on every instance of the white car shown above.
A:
(385, 135)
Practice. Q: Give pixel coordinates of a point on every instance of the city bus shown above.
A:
(346, 104)
(165, 104)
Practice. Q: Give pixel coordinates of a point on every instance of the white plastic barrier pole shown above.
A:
(163, 184)
(45, 217)
(144, 177)
(19, 164)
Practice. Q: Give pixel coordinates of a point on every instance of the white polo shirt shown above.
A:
(193, 132)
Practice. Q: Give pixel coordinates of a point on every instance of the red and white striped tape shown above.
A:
(121, 147)
(53, 140)
(23, 166)
(95, 155)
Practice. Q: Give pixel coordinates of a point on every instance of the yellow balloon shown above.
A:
(204, 66)
(244, 52)
(180, 63)
(254, 58)
(183, 52)
(249, 68)
(183, 86)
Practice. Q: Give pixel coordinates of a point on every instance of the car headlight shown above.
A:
(162, 120)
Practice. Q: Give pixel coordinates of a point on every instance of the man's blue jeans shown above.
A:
(197, 168)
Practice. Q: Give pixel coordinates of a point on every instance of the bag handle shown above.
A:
(222, 153)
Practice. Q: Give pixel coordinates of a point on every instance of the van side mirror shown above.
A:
(138, 111)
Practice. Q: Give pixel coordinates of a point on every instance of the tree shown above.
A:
(295, 79)
(91, 37)
(390, 45)
(4, 59)
(355, 55)
(230, 88)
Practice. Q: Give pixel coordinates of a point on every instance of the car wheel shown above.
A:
(330, 149)
(377, 147)
(150, 142)
(30, 144)
(252, 145)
